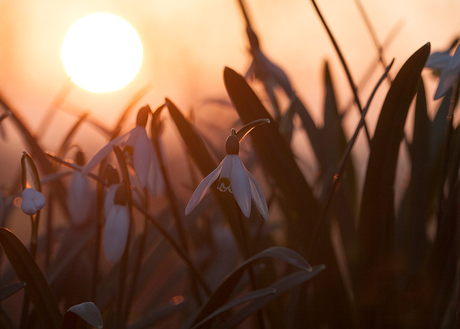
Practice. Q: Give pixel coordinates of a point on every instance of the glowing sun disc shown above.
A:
(101, 52)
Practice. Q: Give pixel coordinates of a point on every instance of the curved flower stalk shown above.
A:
(32, 201)
(78, 202)
(450, 70)
(234, 178)
(138, 148)
(117, 225)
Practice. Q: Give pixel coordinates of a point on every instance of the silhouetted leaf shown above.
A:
(36, 286)
(79, 315)
(10, 289)
(376, 220)
(225, 289)
(281, 286)
(272, 150)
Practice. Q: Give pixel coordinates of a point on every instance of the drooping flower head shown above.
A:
(233, 177)
(117, 224)
(449, 67)
(139, 151)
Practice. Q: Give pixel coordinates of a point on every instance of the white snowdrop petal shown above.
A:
(240, 186)
(200, 191)
(258, 196)
(32, 201)
(116, 233)
(103, 153)
(78, 200)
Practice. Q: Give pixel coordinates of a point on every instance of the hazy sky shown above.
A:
(187, 43)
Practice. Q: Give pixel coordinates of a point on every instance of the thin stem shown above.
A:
(172, 200)
(328, 196)
(345, 67)
(248, 254)
(33, 251)
(119, 313)
(138, 261)
(450, 128)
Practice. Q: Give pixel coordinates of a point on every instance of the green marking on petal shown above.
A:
(224, 184)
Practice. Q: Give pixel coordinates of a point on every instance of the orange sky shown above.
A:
(188, 42)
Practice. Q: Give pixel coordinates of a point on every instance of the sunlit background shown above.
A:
(186, 45)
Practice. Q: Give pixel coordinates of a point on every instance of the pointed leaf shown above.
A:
(10, 289)
(272, 149)
(77, 316)
(225, 289)
(36, 286)
(237, 301)
(376, 220)
(281, 286)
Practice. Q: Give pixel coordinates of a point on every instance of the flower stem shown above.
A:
(248, 254)
(138, 262)
(345, 66)
(33, 251)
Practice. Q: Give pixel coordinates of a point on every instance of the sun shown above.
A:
(101, 52)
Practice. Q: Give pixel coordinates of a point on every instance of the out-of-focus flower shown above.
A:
(450, 69)
(117, 225)
(78, 200)
(265, 70)
(138, 148)
(32, 201)
(234, 178)
(113, 180)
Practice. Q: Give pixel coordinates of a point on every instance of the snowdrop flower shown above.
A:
(117, 225)
(234, 178)
(78, 200)
(32, 201)
(265, 70)
(139, 150)
(450, 69)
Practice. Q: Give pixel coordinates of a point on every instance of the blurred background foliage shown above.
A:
(348, 243)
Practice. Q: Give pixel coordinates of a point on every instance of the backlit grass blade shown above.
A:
(36, 286)
(376, 219)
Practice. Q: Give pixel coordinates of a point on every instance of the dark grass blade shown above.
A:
(300, 206)
(79, 315)
(415, 236)
(10, 289)
(223, 292)
(335, 145)
(249, 297)
(281, 286)
(273, 151)
(313, 133)
(376, 220)
(36, 286)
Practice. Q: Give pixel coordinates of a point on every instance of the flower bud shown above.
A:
(32, 201)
